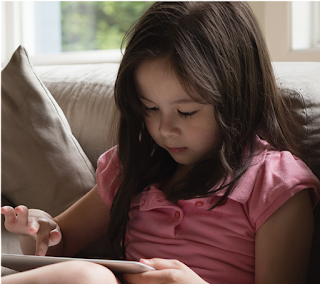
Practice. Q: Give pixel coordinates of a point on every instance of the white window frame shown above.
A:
(10, 30)
(11, 39)
(277, 28)
(316, 30)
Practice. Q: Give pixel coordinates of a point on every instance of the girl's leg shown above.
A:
(71, 272)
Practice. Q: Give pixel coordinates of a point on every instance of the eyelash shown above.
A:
(183, 114)
(150, 109)
(186, 114)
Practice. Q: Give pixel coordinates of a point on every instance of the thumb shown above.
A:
(160, 263)
(55, 237)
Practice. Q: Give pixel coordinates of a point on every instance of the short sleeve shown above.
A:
(107, 175)
(281, 176)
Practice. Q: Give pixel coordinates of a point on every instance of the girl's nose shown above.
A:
(168, 127)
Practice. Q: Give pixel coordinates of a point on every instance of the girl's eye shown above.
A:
(151, 109)
(186, 114)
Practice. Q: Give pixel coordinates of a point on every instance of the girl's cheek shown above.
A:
(150, 125)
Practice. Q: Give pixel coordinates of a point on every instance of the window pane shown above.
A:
(300, 25)
(305, 25)
(97, 25)
(58, 26)
(317, 27)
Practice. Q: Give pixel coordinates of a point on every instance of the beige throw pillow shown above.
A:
(43, 165)
(85, 94)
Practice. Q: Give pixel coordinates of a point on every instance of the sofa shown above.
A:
(57, 120)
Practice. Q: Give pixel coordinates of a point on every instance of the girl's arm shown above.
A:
(283, 243)
(83, 223)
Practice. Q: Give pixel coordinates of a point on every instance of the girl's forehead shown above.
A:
(154, 75)
(156, 65)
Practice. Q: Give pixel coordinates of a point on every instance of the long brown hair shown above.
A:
(219, 55)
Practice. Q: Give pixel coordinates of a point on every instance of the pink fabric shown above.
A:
(217, 244)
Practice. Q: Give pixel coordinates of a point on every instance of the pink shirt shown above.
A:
(217, 244)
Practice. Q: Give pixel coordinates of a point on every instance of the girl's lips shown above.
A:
(177, 150)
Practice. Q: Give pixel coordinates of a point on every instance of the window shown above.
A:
(291, 33)
(305, 25)
(317, 24)
(69, 31)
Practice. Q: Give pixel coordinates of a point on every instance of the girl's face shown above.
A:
(186, 129)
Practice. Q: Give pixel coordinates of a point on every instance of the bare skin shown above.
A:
(75, 272)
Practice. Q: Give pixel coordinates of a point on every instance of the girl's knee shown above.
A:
(88, 272)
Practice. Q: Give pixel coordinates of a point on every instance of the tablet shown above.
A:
(26, 262)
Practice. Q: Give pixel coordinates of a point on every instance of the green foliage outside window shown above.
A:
(97, 25)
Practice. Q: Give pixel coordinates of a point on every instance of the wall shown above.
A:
(274, 17)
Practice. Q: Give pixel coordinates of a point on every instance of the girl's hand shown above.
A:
(167, 272)
(32, 222)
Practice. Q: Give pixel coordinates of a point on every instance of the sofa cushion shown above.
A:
(299, 84)
(85, 94)
(43, 165)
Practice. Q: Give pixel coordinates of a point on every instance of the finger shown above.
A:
(153, 277)
(4, 209)
(9, 214)
(33, 227)
(160, 263)
(167, 271)
(22, 215)
(42, 242)
(170, 271)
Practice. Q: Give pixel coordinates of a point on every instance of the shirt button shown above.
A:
(199, 203)
(177, 215)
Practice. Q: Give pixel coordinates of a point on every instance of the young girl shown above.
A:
(204, 184)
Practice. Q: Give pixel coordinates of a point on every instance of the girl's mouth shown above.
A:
(177, 150)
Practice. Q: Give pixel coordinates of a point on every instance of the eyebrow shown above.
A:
(181, 101)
